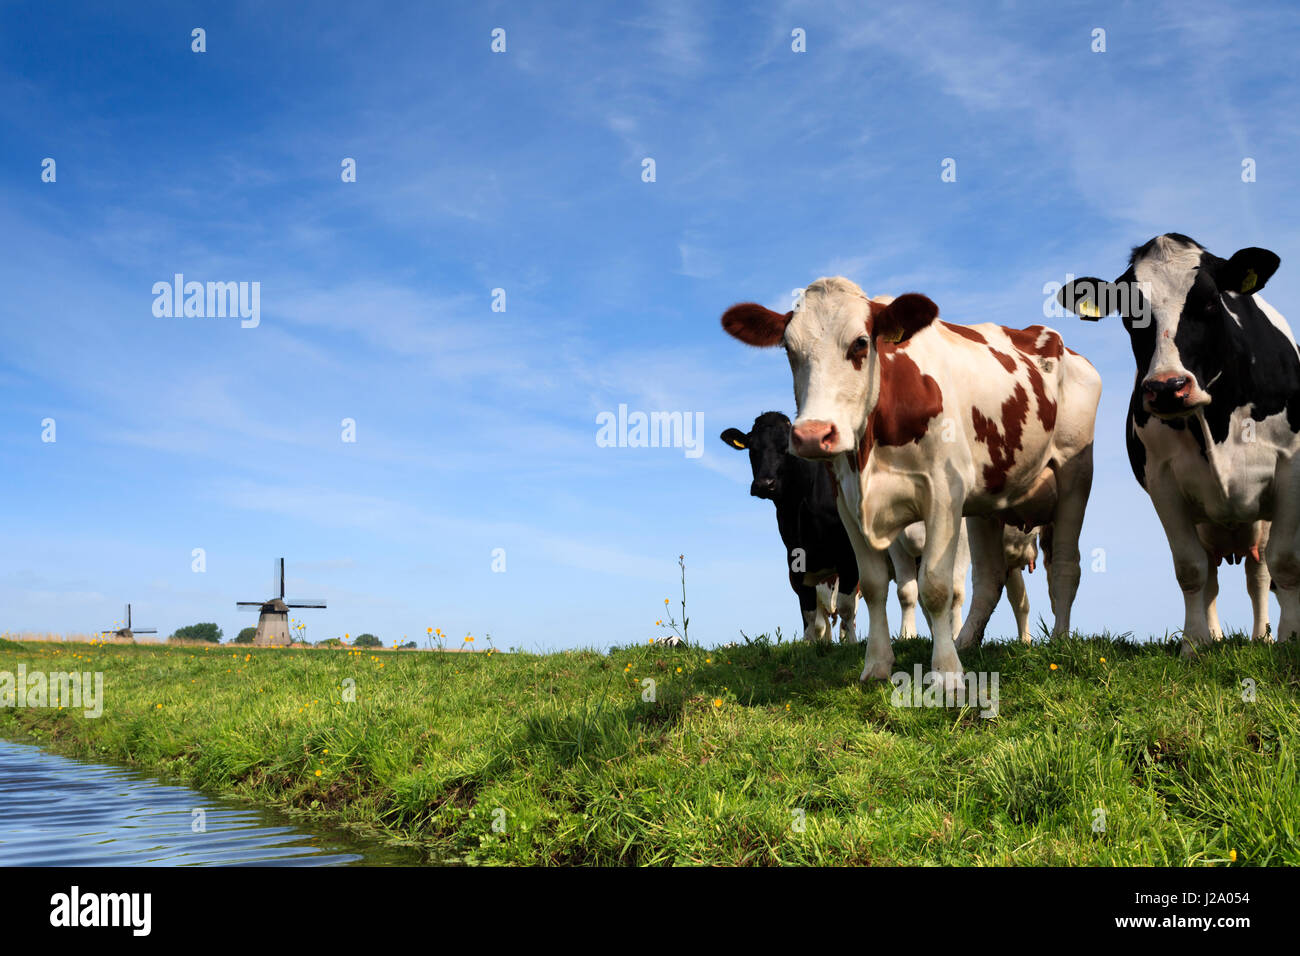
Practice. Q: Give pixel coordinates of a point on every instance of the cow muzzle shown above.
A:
(815, 439)
(1172, 395)
(764, 488)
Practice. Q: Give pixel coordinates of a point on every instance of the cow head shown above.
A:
(833, 342)
(1175, 301)
(768, 444)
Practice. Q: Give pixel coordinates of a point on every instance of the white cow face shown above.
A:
(1174, 300)
(832, 342)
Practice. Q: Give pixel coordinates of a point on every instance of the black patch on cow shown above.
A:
(1137, 452)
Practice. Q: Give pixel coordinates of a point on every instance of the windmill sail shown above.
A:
(273, 622)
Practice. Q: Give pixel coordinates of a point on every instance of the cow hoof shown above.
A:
(880, 670)
(1187, 650)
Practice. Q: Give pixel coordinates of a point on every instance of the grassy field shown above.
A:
(1103, 751)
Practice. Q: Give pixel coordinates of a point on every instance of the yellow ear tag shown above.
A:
(1248, 283)
(895, 338)
(1088, 308)
(737, 444)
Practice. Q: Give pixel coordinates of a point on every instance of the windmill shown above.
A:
(273, 622)
(126, 631)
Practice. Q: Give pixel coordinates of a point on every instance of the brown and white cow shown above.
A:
(928, 421)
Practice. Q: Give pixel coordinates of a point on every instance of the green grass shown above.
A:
(759, 754)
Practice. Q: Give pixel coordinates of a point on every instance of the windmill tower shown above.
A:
(273, 622)
(126, 631)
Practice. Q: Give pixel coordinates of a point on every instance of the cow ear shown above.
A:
(1247, 270)
(755, 325)
(735, 438)
(901, 319)
(1088, 298)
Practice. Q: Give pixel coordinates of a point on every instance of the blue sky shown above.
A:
(522, 170)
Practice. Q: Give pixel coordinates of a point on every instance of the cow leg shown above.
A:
(942, 542)
(1211, 596)
(1284, 569)
(990, 571)
(1191, 563)
(1282, 553)
(1045, 549)
(1257, 581)
(905, 577)
(1073, 484)
(873, 570)
(873, 576)
(1019, 599)
(847, 605)
(824, 625)
(960, 568)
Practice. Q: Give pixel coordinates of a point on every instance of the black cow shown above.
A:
(819, 556)
(1213, 423)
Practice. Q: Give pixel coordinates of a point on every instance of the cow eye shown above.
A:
(860, 345)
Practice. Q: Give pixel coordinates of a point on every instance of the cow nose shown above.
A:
(814, 439)
(763, 488)
(1167, 393)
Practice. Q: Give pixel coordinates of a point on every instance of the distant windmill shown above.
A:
(126, 631)
(273, 622)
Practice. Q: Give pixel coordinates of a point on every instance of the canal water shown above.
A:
(56, 811)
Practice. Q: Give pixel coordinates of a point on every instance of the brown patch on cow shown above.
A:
(1046, 407)
(909, 399)
(1004, 442)
(966, 333)
(1026, 340)
(1007, 361)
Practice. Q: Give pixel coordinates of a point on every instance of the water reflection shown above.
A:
(55, 811)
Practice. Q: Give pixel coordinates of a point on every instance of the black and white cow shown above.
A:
(817, 550)
(1213, 424)
(819, 555)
